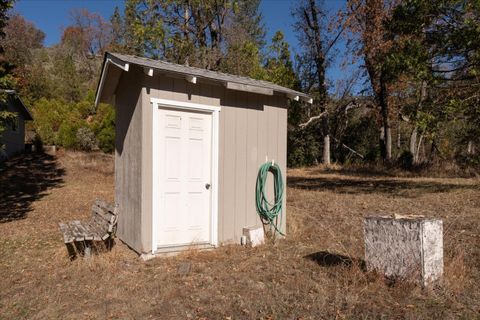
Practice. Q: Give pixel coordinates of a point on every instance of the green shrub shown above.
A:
(104, 127)
(67, 135)
(85, 139)
(303, 148)
(106, 139)
(48, 116)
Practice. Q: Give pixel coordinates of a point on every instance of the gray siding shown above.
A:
(128, 157)
(252, 127)
(14, 141)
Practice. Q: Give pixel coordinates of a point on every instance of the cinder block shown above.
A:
(405, 247)
(255, 235)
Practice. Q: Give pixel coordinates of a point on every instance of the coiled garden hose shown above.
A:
(270, 213)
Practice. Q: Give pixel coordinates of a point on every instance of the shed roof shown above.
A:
(16, 101)
(191, 74)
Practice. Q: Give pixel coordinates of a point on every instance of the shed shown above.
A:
(13, 138)
(188, 145)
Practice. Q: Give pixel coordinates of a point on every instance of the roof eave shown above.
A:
(110, 59)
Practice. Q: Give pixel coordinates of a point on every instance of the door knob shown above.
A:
(207, 186)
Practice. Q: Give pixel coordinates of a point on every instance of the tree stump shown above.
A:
(405, 247)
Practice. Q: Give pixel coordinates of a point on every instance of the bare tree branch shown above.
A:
(312, 119)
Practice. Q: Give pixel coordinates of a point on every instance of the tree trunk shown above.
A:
(413, 142)
(383, 99)
(326, 149)
(399, 138)
(416, 157)
(388, 143)
(433, 152)
(470, 148)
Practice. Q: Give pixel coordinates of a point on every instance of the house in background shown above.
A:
(13, 138)
(189, 143)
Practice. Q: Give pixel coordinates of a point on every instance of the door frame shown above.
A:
(186, 106)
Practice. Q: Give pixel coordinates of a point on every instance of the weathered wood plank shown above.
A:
(103, 213)
(101, 222)
(87, 234)
(67, 234)
(100, 232)
(105, 205)
(77, 233)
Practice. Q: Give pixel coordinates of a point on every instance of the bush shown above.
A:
(106, 139)
(303, 148)
(85, 139)
(67, 135)
(104, 127)
(48, 116)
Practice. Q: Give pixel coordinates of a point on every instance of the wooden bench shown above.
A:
(101, 227)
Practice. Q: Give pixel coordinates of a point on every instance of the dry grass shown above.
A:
(316, 272)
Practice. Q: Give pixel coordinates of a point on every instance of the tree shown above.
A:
(366, 22)
(313, 62)
(438, 49)
(117, 37)
(244, 40)
(6, 79)
(278, 65)
(225, 35)
(21, 38)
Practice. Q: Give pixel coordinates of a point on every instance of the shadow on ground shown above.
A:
(329, 259)
(403, 188)
(24, 179)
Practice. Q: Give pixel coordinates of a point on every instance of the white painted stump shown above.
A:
(405, 247)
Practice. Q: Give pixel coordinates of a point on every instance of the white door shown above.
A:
(183, 163)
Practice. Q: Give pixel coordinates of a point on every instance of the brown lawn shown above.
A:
(316, 272)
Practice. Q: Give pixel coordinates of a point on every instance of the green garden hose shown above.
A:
(270, 213)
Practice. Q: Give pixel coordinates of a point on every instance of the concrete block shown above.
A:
(405, 247)
(255, 235)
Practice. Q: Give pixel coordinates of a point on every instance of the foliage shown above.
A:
(75, 125)
(104, 127)
(303, 148)
(49, 116)
(67, 135)
(420, 60)
(85, 139)
(6, 79)
(365, 143)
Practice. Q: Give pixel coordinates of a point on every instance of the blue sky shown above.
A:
(52, 15)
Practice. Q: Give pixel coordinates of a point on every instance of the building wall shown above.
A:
(252, 128)
(128, 157)
(14, 141)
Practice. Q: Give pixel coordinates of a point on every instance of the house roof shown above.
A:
(15, 99)
(192, 74)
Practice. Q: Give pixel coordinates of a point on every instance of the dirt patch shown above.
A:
(316, 272)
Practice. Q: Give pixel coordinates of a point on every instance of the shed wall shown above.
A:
(252, 127)
(128, 157)
(14, 141)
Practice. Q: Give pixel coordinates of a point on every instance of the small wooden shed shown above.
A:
(188, 145)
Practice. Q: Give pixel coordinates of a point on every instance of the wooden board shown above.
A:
(67, 234)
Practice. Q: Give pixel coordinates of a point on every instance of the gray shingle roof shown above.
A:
(205, 74)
